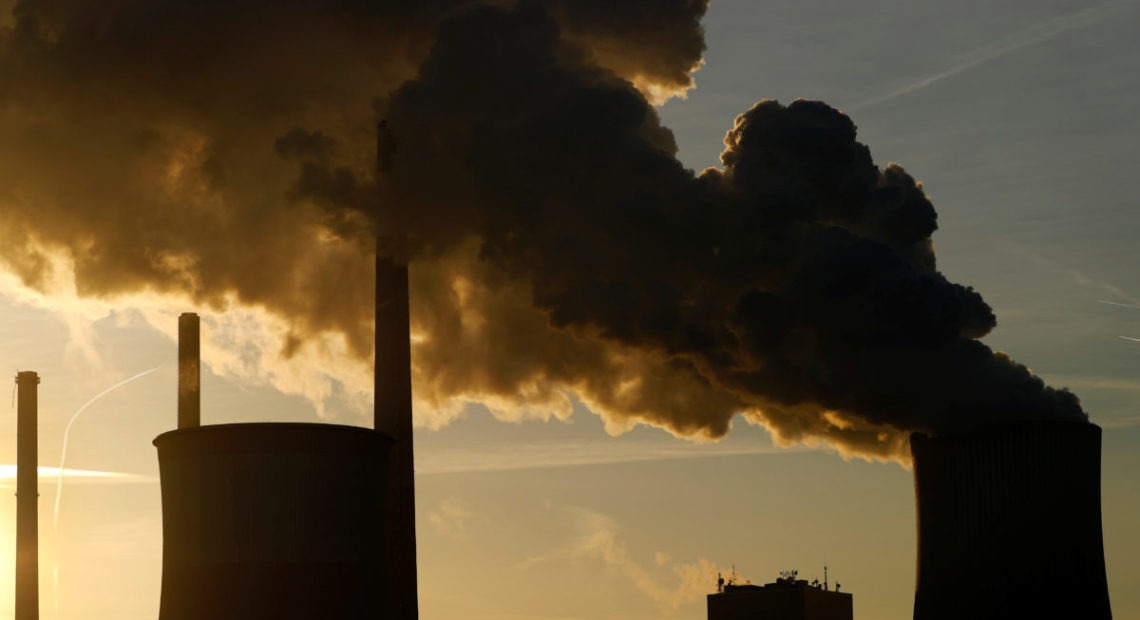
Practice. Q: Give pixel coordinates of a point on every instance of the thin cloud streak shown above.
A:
(1117, 303)
(497, 616)
(1120, 422)
(1125, 419)
(8, 472)
(1086, 382)
(572, 454)
(1036, 34)
(62, 470)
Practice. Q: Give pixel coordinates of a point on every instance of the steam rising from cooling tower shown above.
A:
(557, 243)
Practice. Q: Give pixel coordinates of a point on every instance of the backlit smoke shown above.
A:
(224, 150)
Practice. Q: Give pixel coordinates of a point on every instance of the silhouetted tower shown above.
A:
(271, 521)
(189, 371)
(27, 494)
(393, 403)
(1009, 523)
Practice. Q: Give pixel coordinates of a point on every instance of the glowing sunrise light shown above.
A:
(8, 472)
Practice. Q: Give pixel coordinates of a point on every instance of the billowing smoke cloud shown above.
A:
(137, 138)
(223, 150)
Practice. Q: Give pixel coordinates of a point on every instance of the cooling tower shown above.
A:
(272, 520)
(1009, 523)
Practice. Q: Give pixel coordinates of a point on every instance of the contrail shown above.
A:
(1030, 36)
(1117, 303)
(62, 461)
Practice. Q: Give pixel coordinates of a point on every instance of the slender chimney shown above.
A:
(27, 494)
(393, 407)
(189, 372)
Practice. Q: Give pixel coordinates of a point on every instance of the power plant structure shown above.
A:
(27, 497)
(272, 520)
(393, 404)
(269, 520)
(289, 521)
(1009, 523)
(787, 598)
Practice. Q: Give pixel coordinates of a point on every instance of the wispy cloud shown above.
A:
(1120, 422)
(1114, 418)
(451, 518)
(668, 583)
(76, 476)
(574, 454)
(502, 616)
(1117, 303)
(1088, 382)
(1033, 35)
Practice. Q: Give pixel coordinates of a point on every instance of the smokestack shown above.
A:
(27, 495)
(393, 407)
(189, 371)
(1009, 523)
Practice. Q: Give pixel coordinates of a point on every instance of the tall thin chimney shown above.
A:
(189, 372)
(27, 495)
(393, 406)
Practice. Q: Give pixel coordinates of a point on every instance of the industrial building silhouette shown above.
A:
(292, 521)
(289, 521)
(787, 598)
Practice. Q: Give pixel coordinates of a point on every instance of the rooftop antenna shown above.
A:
(825, 575)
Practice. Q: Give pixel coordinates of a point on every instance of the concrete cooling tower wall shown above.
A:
(1009, 523)
(272, 520)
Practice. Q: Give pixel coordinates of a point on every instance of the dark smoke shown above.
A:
(557, 244)
(797, 281)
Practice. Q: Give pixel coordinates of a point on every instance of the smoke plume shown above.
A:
(223, 151)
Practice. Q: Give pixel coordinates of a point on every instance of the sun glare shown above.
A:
(8, 475)
(7, 556)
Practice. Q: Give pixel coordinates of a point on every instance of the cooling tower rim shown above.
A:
(1002, 429)
(272, 437)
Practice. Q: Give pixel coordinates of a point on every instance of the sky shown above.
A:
(535, 501)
